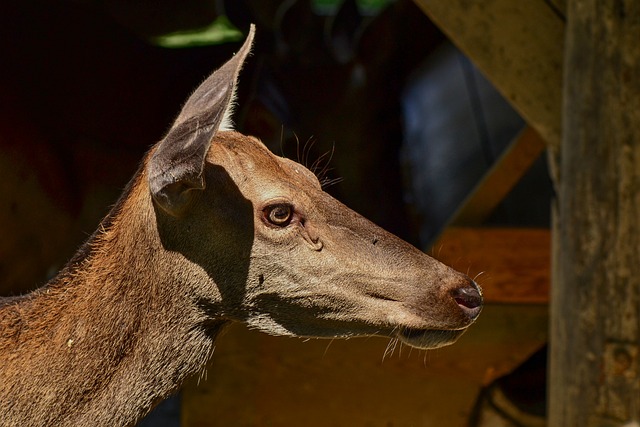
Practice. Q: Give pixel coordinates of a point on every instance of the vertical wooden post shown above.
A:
(595, 309)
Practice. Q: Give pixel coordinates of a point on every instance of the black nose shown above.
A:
(469, 299)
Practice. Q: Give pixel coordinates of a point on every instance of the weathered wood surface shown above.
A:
(511, 265)
(259, 380)
(595, 310)
(518, 45)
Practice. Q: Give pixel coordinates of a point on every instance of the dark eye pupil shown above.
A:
(280, 215)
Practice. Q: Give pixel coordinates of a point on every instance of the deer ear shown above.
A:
(176, 166)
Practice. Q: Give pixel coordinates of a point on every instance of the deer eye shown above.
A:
(279, 215)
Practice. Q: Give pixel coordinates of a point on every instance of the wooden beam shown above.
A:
(518, 45)
(500, 180)
(259, 380)
(512, 265)
(255, 379)
(595, 311)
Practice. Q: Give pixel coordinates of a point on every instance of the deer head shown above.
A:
(259, 242)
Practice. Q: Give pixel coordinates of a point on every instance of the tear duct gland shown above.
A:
(212, 229)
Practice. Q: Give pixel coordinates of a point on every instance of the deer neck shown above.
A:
(108, 338)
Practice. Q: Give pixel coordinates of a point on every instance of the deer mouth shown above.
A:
(429, 338)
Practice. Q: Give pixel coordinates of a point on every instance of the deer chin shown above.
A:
(426, 339)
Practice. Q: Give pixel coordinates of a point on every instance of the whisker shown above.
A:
(386, 350)
(306, 151)
(424, 360)
(321, 166)
(325, 168)
(395, 344)
(327, 348)
(478, 275)
(297, 147)
(328, 182)
(391, 346)
(316, 164)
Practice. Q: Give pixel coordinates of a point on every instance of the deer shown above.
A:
(212, 229)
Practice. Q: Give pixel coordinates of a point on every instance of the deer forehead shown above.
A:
(258, 171)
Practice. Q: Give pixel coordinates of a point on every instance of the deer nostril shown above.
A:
(469, 300)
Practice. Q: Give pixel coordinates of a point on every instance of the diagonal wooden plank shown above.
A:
(518, 45)
(500, 180)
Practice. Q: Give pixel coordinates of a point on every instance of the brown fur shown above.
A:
(112, 324)
(189, 248)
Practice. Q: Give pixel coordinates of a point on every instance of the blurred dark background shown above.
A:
(369, 93)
